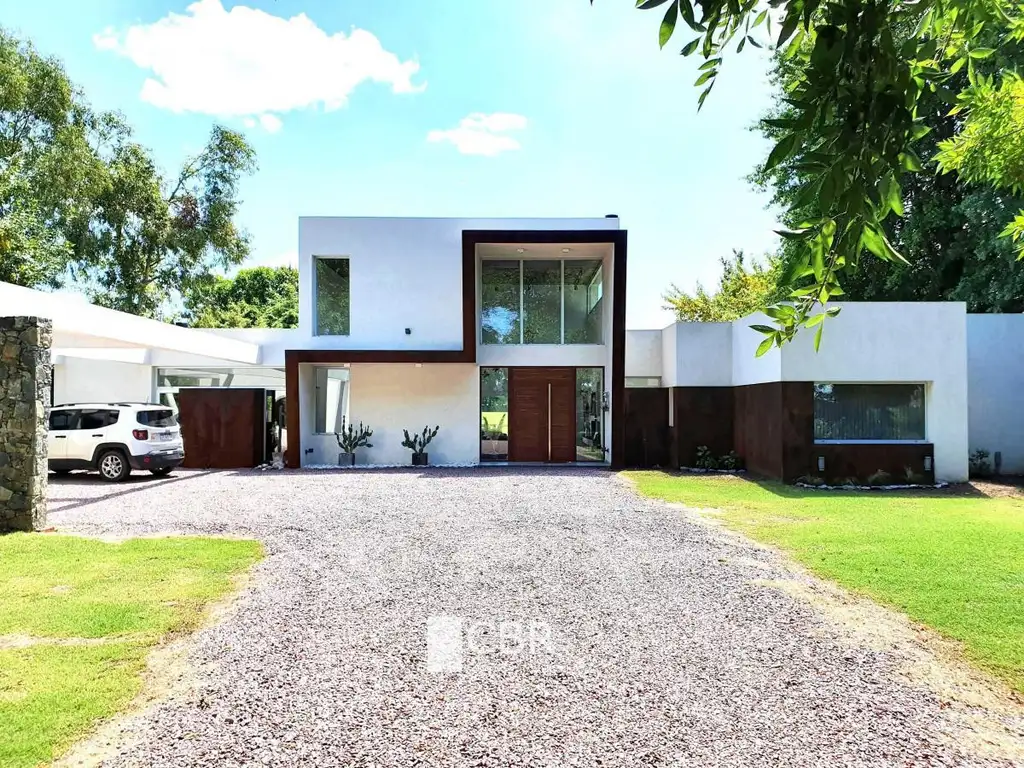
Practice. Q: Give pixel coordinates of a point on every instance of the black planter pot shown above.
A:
(420, 459)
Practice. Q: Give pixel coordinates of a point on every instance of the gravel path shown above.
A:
(646, 639)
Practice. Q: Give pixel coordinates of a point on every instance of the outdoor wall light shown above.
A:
(566, 250)
(520, 250)
(927, 463)
(821, 463)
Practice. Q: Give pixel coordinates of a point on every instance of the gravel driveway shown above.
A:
(593, 627)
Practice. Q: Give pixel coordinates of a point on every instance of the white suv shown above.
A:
(114, 438)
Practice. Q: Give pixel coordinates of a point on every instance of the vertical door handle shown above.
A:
(549, 421)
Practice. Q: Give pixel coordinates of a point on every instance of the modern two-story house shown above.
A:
(509, 334)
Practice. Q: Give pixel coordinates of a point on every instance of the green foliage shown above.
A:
(741, 291)
(418, 443)
(990, 148)
(950, 230)
(150, 237)
(49, 166)
(951, 562)
(705, 458)
(257, 297)
(352, 437)
(857, 74)
(80, 199)
(978, 463)
(730, 461)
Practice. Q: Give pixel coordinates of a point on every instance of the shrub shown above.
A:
(705, 459)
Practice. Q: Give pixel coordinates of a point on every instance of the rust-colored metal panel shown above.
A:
(222, 428)
(703, 416)
(902, 462)
(647, 432)
(757, 427)
(797, 422)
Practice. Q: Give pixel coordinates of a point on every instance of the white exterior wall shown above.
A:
(77, 380)
(703, 355)
(391, 397)
(995, 381)
(883, 342)
(747, 367)
(403, 273)
(643, 353)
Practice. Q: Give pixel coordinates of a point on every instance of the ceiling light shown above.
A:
(520, 250)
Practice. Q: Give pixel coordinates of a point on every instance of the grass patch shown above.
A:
(96, 610)
(954, 563)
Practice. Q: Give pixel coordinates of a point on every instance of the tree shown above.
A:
(49, 166)
(991, 147)
(949, 232)
(741, 291)
(257, 297)
(147, 239)
(858, 81)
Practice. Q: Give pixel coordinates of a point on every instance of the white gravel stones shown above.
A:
(656, 640)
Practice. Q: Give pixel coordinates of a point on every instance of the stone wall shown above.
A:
(25, 373)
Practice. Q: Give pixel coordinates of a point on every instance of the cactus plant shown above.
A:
(351, 438)
(418, 443)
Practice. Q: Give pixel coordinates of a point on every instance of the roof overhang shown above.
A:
(80, 325)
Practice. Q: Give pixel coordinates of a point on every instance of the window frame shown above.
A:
(316, 296)
(522, 308)
(876, 441)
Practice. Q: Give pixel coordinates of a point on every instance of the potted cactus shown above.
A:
(349, 439)
(418, 445)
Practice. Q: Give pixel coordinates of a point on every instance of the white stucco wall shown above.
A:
(403, 273)
(391, 397)
(643, 353)
(995, 382)
(747, 367)
(77, 380)
(703, 355)
(922, 342)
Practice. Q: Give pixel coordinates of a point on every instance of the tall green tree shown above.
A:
(150, 237)
(950, 231)
(50, 167)
(257, 297)
(859, 81)
(742, 290)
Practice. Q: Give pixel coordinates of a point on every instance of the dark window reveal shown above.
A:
(156, 418)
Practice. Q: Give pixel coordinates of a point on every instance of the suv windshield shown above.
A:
(157, 418)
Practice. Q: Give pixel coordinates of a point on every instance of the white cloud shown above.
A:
(480, 134)
(271, 123)
(251, 64)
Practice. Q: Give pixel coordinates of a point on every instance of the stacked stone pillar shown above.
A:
(25, 373)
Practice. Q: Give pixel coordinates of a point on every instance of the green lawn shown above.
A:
(955, 563)
(77, 619)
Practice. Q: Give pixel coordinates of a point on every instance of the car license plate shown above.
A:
(163, 436)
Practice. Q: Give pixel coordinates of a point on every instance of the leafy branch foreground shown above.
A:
(861, 68)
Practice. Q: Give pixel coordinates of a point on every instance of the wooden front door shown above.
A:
(542, 414)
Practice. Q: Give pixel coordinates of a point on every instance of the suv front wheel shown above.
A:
(113, 466)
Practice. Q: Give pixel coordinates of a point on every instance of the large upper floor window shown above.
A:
(332, 296)
(541, 301)
(869, 412)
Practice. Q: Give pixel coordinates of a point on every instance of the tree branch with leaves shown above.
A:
(858, 79)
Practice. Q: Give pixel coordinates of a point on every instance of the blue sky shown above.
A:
(439, 108)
